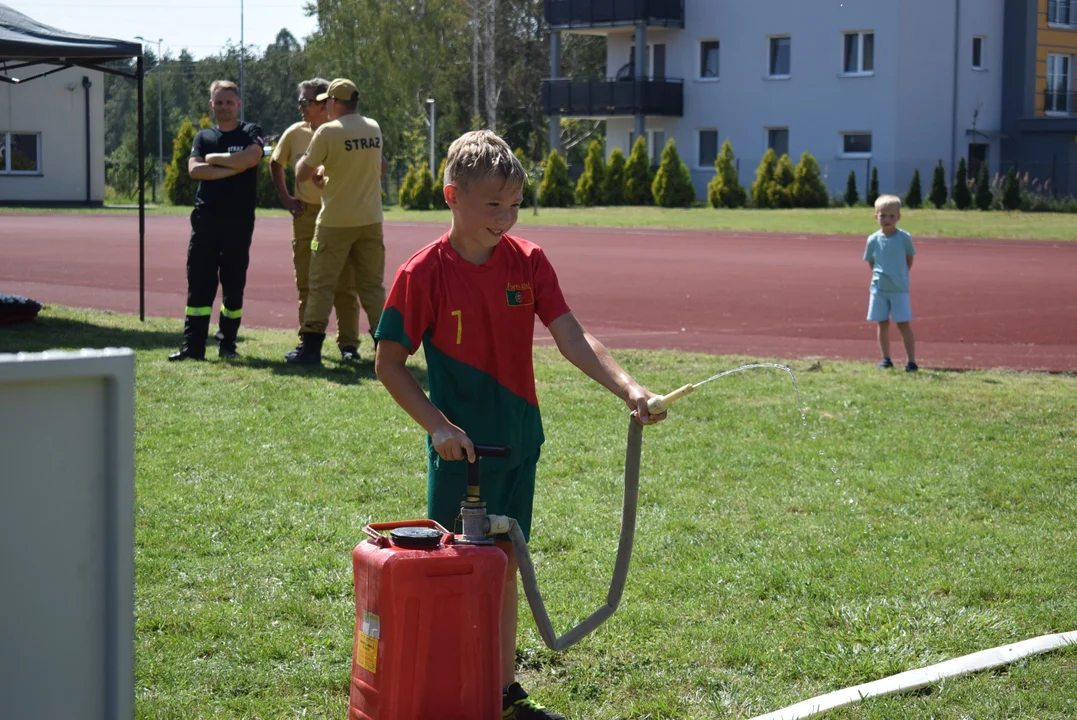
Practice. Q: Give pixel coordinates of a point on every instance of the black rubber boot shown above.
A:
(226, 336)
(292, 353)
(310, 352)
(195, 330)
(187, 353)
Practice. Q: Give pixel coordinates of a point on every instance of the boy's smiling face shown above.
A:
(888, 219)
(483, 212)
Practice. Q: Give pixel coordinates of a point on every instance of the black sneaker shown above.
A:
(911, 366)
(886, 364)
(187, 353)
(516, 705)
(228, 352)
(349, 354)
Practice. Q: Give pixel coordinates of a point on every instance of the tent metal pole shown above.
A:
(141, 197)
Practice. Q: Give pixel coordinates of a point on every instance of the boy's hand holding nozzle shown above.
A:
(658, 404)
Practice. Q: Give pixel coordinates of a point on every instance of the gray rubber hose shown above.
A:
(620, 567)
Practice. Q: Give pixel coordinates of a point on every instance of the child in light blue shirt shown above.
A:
(889, 252)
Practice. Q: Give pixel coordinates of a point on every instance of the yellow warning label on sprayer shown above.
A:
(366, 644)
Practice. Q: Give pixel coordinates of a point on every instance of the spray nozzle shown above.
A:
(660, 403)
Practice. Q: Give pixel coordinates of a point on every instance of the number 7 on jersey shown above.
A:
(459, 314)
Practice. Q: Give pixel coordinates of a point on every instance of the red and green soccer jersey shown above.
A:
(477, 326)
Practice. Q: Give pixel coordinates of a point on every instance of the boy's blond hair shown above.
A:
(223, 85)
(886, 202)
(481, 155)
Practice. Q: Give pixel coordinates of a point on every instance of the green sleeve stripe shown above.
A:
(199, 311)
(234, 314)
(391, 327)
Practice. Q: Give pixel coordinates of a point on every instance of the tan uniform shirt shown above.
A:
(350, 150)
(290, 148)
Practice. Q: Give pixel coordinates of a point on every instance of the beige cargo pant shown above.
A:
(335, 250)
(345, 300)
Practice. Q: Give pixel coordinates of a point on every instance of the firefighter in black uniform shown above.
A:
(224, 159)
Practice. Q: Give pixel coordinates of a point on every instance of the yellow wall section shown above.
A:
(1050, 40)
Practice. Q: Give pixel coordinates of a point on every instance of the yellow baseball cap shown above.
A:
(341, 89)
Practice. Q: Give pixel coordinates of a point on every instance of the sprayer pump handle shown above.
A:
(496, 451)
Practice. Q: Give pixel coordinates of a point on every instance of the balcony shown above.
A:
(583, 14)
(613, 98)
(1059, 102)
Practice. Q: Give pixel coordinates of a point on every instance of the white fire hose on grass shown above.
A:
(916, 679)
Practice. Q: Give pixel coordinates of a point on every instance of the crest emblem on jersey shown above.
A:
(519, 295)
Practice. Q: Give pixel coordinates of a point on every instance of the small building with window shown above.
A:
(52, 118)
(862, 86)
(44, 140)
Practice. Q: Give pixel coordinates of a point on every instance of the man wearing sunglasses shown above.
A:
(304, 207)
(345, 159)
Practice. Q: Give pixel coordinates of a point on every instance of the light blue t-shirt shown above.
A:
(887, 253)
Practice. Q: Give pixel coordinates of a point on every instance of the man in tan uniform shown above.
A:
(304, 207)
(345, 158)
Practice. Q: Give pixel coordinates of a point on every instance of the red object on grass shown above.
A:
(427, 625)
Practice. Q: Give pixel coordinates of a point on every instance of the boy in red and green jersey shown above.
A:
(470, 299)
(476, 324)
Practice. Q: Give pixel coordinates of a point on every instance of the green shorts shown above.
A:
(511, 493)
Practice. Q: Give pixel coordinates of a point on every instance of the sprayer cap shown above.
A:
(415, 537)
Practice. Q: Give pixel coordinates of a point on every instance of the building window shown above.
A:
(1059, 95)
(708, 60)
(856, 144)
(859, 53)
(780, 61)
(977, 53)
(1062, 12)
(20, 153)
(654, 64)
(658, 144)
(708, 148)
(977, 158)
(778, 140)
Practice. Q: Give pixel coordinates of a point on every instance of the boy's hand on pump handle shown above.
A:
(452, 443)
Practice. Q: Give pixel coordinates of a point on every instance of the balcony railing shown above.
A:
(566, 14)
(1059, 102)
(606, 98)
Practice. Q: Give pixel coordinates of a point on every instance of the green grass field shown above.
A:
(904, 520)
(837, 221)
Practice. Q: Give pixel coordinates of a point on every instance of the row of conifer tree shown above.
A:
(778, 183)
(633, 181)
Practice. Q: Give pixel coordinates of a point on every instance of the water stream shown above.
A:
(800, 406)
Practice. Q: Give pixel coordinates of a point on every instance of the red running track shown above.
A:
(976, 303)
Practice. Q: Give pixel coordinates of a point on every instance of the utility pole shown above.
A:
(433, 167)
(475, 60)
(242, 52)
(160, 119)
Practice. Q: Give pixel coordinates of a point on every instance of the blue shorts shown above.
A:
(885, 305)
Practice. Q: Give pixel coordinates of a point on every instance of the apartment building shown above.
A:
(1039, 115)
(894, 86)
